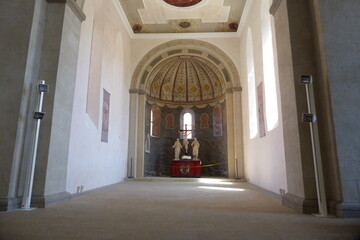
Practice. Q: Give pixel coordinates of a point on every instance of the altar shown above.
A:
(186, 168)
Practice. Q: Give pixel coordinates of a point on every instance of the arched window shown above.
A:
(155, 121)
(253, 126)
(271, 105)
(187, 122)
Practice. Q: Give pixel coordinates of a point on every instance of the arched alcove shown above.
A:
(183, 87)
(182, 74)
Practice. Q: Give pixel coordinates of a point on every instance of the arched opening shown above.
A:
(183, 87)
(191, 82)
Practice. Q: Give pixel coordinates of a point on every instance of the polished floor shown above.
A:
(174, 210)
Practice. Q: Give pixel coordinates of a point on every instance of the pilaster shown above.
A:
(48, 51)
(294, 39)
(339, 59)
(18, 47)
(132, 146)
(239, 143)
(140, 135)
(230, 134)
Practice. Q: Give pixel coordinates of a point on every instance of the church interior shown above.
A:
(107, 103)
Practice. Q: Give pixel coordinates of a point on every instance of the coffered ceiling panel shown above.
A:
(176, 16)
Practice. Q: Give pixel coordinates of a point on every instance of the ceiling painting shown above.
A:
(184, 80)
(176, 16)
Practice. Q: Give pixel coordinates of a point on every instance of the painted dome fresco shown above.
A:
(182, 3)
(185, 80)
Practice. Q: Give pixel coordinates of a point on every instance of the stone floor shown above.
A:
(173, 210)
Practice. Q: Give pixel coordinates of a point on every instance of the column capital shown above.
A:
(237, 89)
(233, 89)
(138, 91)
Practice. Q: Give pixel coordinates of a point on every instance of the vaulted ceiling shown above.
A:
(179, 16)
(184, 80)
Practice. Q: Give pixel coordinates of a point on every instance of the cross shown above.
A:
(185, 132)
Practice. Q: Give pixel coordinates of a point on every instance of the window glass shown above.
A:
(253, 127)
(187, 123)
(271, 105)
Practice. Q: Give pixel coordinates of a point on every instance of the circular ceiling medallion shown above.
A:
(233, 26)
(137, 28)
(184, 24)
(182, 3)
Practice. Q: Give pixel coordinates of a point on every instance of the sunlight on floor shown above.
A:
(214, 181)
(223, 189)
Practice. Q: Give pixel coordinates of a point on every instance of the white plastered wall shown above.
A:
(93, 163)
(102, 164)
(264, 158)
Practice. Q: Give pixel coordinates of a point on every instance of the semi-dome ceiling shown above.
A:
(185, 80)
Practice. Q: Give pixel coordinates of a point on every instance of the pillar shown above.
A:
(239, 143)
(140, 135)
(338, 47)
(132, 146)
(47, 38)
(295, 46)
(230, 133)
(18, 46)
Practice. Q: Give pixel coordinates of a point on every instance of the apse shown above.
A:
(185, 92)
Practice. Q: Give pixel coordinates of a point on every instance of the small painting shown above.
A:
(105, 116)
(170, 121)
(260, 95)
(155, 121)
(204, 121)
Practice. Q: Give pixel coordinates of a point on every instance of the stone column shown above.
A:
(239, 143)
(140, 136)
(58, 67)
(136, 134)
(133, 118)
(230, 133)
(295, 46)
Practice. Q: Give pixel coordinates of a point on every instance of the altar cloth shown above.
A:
(186, 168)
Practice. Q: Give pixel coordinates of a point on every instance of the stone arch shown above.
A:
(190, 47)
(141, 74)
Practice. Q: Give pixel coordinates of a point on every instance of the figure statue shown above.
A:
(177, 146)
(195, 149)
(186, 145)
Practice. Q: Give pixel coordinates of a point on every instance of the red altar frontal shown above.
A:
(185, 168)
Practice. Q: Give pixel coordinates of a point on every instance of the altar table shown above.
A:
(186, 168)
